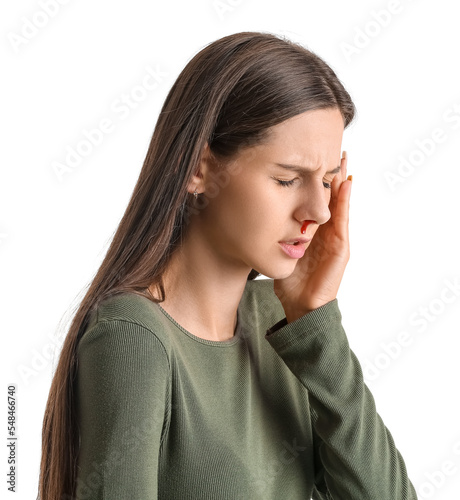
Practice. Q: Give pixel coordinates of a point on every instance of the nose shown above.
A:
(314, 206)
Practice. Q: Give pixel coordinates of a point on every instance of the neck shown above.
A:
(203, 290)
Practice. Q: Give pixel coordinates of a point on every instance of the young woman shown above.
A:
(183, 377)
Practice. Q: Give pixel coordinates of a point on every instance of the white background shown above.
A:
(403, 76)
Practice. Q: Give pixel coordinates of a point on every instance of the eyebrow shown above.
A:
(303, 170)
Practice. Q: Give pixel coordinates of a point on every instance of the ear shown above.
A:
(203, 172)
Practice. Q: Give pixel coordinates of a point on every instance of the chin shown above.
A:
(278, 272)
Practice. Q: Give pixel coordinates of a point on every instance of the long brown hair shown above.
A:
(228, 96)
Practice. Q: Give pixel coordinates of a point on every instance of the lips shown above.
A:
(296, 241)
(294, 251)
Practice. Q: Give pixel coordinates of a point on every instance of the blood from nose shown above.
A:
(304, 226)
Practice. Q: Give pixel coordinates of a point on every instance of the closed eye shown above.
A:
(327, 185)
(285, 183)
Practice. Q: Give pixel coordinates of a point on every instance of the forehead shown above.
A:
(323, 126)
(311, 140)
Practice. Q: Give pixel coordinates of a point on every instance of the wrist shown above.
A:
(294, 314)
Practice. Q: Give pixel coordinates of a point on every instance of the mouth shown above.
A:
(295, 249)
(296, 241)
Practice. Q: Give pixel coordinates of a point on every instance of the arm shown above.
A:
(123, 409)
(355, 455)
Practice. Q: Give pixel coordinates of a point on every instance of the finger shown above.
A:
(339, 178)
(344, 164)
(342, 209)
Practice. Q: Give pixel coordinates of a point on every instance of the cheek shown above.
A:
(227, 210)
(245, 212)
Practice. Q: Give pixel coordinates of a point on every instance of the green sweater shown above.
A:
(278, 412)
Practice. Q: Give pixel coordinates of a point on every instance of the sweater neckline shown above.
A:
(216, 343)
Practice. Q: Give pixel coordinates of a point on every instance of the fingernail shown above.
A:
(344, 154)
(350, 178)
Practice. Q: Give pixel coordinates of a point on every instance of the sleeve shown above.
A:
(122, 390)
(355, 454)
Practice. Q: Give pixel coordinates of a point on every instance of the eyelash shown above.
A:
(327, 185)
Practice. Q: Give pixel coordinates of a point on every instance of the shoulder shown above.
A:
(127, 319)
(123, 369)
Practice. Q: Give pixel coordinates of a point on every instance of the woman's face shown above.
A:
(247, 217)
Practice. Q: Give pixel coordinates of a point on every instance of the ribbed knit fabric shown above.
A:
(278, 412)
